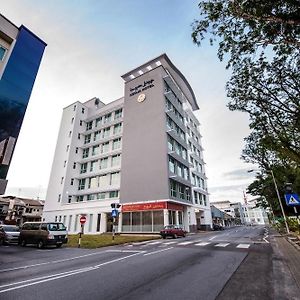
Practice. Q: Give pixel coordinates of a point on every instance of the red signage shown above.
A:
(82, 219)
(151, 206)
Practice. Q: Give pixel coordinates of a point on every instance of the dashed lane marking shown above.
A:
(243, 246)
(202, 244)
(185, 243)
(222, 245)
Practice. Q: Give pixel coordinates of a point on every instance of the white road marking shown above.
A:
(67, 259)
(202, 244)
(243, 246)
(169, 243)
(222, 245)
(186, 243)
(154, 243)
(150, 253)
(266, 239)
(212, 238)
(35, 281)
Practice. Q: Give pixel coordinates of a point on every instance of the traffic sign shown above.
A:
(82, 219)
(292, 199)
(114, 213)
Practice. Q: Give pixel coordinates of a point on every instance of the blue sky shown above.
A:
(91, 44)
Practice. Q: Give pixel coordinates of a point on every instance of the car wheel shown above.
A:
(174, 236)
(58, 245)
(184, 235)
(164, 237)
(1, 242)
(40, 244)
(23, 243)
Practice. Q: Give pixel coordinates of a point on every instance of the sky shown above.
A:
(91, 43)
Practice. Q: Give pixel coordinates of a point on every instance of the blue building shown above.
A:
(21, 52)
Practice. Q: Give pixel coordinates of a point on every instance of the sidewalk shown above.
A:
(286, 267)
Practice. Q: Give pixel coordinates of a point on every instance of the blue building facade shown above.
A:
(20, 55)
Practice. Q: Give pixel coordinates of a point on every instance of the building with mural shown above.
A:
(21, 52)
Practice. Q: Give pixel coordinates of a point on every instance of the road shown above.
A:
(232, 264)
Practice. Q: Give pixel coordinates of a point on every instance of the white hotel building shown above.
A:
(142, 151)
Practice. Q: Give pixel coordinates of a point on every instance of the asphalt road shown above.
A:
(200, 266)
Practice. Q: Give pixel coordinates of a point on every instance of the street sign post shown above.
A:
(82, 221)
(114, 214)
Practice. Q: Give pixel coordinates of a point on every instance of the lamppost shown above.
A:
(279, 200)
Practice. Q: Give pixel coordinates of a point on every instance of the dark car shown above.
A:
(172, 231)
(43, 234)
(9, 234)
(218, 227)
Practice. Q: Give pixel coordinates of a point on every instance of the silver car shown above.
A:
(9, 234)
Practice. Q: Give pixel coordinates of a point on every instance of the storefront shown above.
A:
(150, 217)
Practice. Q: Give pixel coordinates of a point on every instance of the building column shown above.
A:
(119, 229)
(166, 217)
(103, 222)
(176, 218)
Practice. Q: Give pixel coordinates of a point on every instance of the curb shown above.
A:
(291, 241)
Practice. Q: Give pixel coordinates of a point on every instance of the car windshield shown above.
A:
(169, 227)
(11, 228)
(56, 227)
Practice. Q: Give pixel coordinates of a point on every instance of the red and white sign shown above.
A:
(82, 219)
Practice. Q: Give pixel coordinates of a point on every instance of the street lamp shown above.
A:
(279, 200)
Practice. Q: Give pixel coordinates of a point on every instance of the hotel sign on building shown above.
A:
(142, 151)
(21, 52)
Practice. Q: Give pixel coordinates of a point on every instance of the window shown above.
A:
(85, 153)
(171, 165)
(90, 197)
(76, 150)
(113, 194)
(98, 121)
(74, 165)
(80, 122)
(69, 199)
(115, 160)
(62, 180)
(96, 150)
(105, 147)
(74, 107)
(70, 133)
(83, 168)
(81, 184)
(116, 144)
(196, 197)
(93, 165)
(104, 180)
(107, 118)
(170, 144)
(118, 128)
(97, 135)
(106, 132)
(2, 52)
(118, 114)
(68, 147)
(103, 163)
(59, 198)
(72, 120)
(93, 183)
(115, 178)
(173, 188)
(82, 110)
(101, 196)
(72, 181)
(78, 136)
(65, 162)
(89, 125)
(79, 198)
(87, 138)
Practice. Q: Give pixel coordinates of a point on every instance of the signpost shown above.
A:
(114, 214)
(82, 222)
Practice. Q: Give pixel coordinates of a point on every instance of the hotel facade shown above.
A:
(21, 52)
(142, 151)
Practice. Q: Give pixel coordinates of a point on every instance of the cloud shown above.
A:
(239, 174)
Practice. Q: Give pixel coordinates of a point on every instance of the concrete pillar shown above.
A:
(176, 218)
(119, 229)
(103, 222)
(166, 217)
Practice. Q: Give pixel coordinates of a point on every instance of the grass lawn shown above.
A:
(103, 240)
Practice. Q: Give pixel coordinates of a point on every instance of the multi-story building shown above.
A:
(142, 151)
(20, 54)
(254, 214)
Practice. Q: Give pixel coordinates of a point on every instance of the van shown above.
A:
(43, 234)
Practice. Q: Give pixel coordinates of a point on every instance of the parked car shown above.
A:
(172, 231)
(43, 234)
(9, 234)
(218, 227)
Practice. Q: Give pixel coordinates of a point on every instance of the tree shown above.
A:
(261, 42)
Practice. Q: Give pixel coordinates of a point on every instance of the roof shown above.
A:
(31, 202)
(164, 61)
